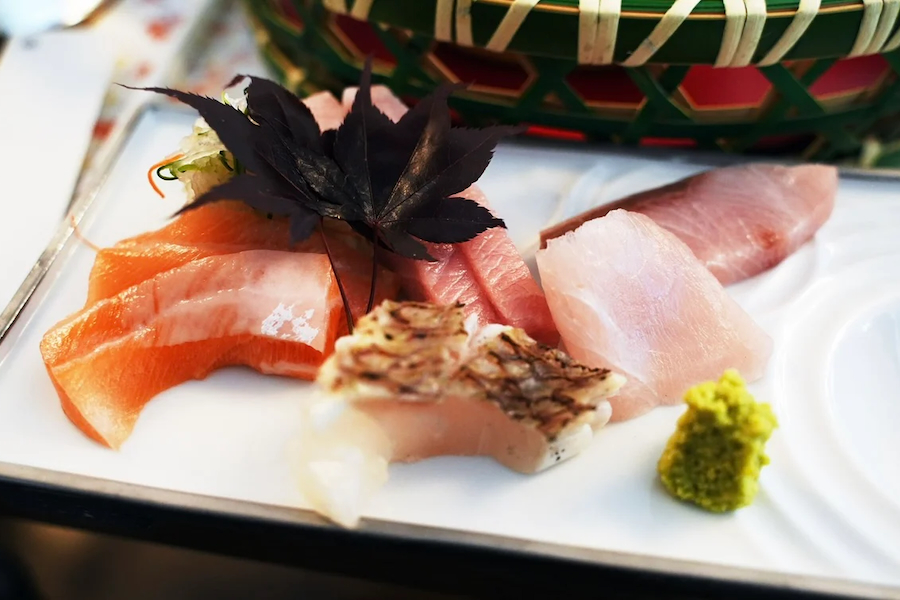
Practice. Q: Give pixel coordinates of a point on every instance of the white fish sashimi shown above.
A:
(627, 295)
(739, 221)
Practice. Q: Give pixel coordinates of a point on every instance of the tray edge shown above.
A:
(125, 492)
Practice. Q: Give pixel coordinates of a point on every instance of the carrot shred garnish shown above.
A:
(155, 167)
(80, 237)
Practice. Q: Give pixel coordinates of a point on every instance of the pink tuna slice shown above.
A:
(630, 296)
(445, 281)
(326, 109)
(486, 273)
(739, 221)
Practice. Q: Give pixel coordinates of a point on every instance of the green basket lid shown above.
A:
(726, 33)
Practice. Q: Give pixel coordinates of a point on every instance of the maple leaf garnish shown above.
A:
(407, 194)
(393, 183)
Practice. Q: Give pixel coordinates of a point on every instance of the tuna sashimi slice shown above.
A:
(500, 271)
(277, 312)
(447, 280)
(629, 296)
(226, 228)
(326, 109)
(739, 221)
(506, 291)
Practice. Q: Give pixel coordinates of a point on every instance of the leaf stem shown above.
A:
(337, 276)
(374, 275)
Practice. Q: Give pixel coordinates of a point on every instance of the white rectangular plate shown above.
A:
(829, 506)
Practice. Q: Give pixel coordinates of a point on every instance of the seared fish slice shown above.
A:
(541, 406)
(400, 350)
(414, 381)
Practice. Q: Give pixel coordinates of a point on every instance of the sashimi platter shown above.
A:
(349, 308)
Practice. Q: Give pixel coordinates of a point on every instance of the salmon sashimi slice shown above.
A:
(739, 221)
(276, 312)
(225, 228)
(119, 267)
(231, 222)
(224, 222)
(630, 296)
(218, 228)
(415, 381)
(493, 265)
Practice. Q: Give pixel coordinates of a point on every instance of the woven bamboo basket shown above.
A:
(814, 78)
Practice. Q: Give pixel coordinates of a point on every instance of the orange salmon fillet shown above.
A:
(225, 228)
(276, 312)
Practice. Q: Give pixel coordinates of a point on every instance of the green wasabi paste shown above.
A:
(715, 456)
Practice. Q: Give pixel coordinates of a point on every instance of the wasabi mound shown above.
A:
(715, 456)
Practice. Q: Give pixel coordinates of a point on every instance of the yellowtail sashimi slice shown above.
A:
(629, 296)
(739, 221)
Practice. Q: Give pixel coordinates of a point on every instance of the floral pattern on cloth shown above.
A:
(231, 49)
